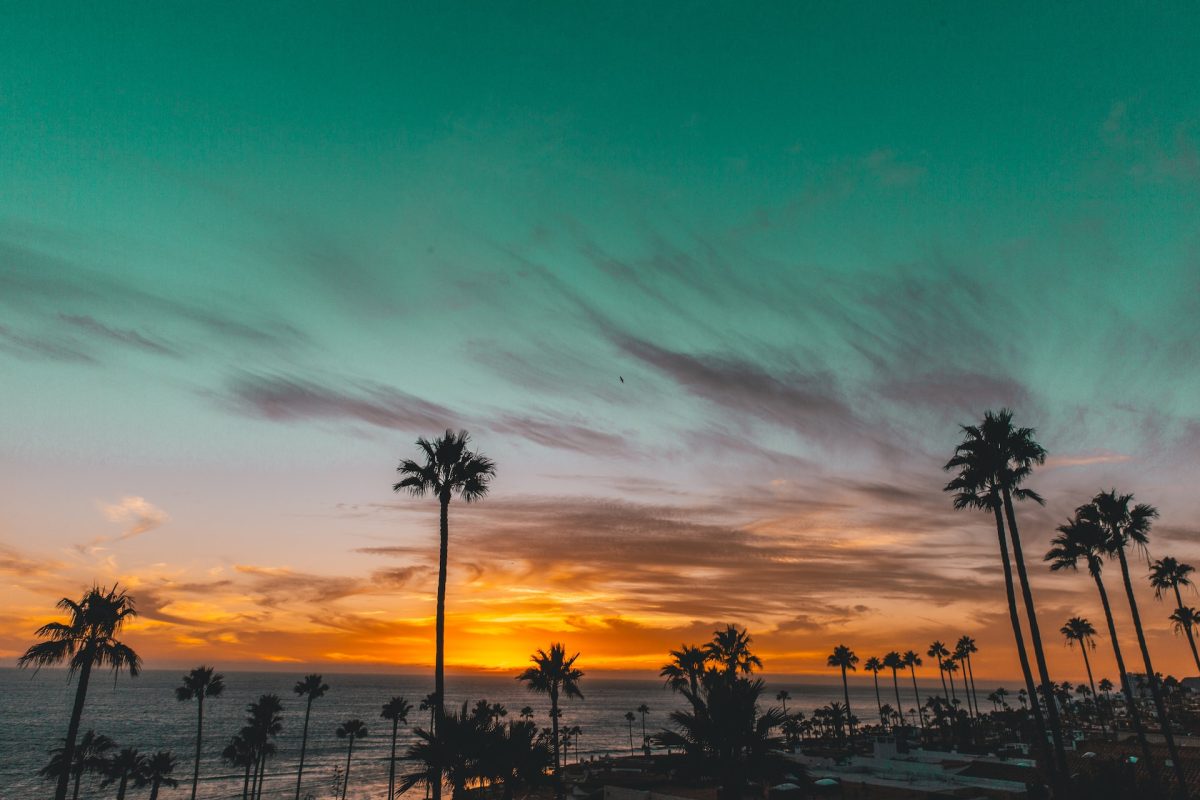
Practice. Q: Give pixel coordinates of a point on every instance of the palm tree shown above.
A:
(526, 712)
(429, 703)
(122, 768)
(951, 667)
(684, 669)
(555, 675)
(962, 651)
(874, 666)
(630, 717)
(87, 640)
(264, 721)
(730, 649)
(156, 772)
(1124, 526)
(1078, 630)
(1185, 620)
(783, 696)
(450, 469)
(643, 709)
(397, 710)
(1082, 539)
(350, 729)
(90, 754)
(844, 659)
(911, 660)
(992, 461)
(198, 684)
(310, 687)
(1167, 573)
(240, 753)
(938, 652)
(894, 661)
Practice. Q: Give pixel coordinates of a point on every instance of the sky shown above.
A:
(714, 286)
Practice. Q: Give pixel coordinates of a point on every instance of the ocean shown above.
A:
(143, 713)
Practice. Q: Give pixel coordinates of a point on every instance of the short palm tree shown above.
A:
(264, 721)
(895, 662)
(911, 660)
(156, 773)
(397, 710)
(90, 754)
(950, 665)
(197, 685)
(351, 729)
(88, 639)
(843, 658)
(240, 753)
(1125, 526)
(643, 709)
(554, 675)
(630, 718)
(730, 650)
(1078, 630)
(311, 687)
(962, 651)
(783, 696)
(874, 666)
(450, 468)
(122, 768)
(1168, 573)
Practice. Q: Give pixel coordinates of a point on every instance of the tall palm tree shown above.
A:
(1078, 630)
(844, 659)
(122, 768)
(911, 660)
(643, 709)
(450, 469)
(992, 460)
(938, 652)
(951, 667)
(684, 669)
(1185, 620)
(87, 640)
(350, 729)
(730, 649)
(1168, 573)
(1124, 527)
(1081, 539)
(962, 651)
(197, 685)
(874, 666)
(397, 710)
(630, 717)
(311, 687)
(783, 696)
(555, 675)
(895, 662)
(156, 773)
(90, 754)
(264, 721)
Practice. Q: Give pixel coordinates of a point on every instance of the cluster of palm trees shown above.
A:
(630, 717)
(947, 661)
(98, 755)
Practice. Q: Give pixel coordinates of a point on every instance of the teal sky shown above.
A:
(247, 255)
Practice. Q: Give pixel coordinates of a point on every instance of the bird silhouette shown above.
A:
(622, 379)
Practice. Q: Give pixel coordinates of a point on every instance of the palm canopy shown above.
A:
(1078, 629)
(1121, 524)
(89, 637)
(1169, 573)
(311, 686)
(873, 665)
(353, 728)
(450, 468)
(730, 648)
(965, 646)
(937, 651)
(553, 673)
(842, 656)
(156, 770)
(993, 456)
(1184, 619)
(1078, 539)
(685, 667)
(893, 660)
(397, 709)
(201, 682)
(911, 659)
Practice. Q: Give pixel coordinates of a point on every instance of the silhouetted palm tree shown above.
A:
(938, 652)
(198, 684)
(962, 651)
(992, 461)
(527, 712)
(685, 668)
(125, 766)
(397, 710)
(951, 667)
(264, 721)
(911, 660)
(874, 666)
(1123, 527)
(730, 649)
(87, 640)
(429, 703)
(1168, 573)
(895, 662)
(240, 753)
(350, 729)
(1082, 539)
(1078, 630)
(844, 659)
(630, 717)
(783, 696)
(1185, 620)
(555, 675)
(450, 468)
(156, 773)
(90, 754)
(311, 687)
(643, 709)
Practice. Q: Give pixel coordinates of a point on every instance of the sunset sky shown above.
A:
(249, 253)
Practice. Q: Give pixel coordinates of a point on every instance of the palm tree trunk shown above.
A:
(912, 669)
(1155, 692)
(392, 762)
(896, 687)
(1088, 666)
(75, 791)
(346, 781)
(85, 672)
(439, 665)
(304, 746)
(1187, 628)
(1015, 618)
(154, 789)
(1035, 635)
(246, 781)
(122, 786)
(846, 694)
(262, 773)
(199, 734)
(970, 676)
(878, 702)
(554, 736)
(1135, 716)
(942, 675)
(953, 694)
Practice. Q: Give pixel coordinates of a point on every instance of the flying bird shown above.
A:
(622, 378)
